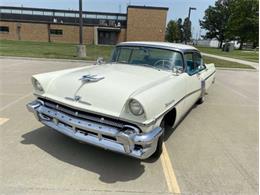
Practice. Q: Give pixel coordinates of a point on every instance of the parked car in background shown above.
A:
(128, 104)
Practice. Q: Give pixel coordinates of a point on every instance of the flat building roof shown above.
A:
(147, 7)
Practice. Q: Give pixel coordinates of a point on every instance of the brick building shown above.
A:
(140, 23)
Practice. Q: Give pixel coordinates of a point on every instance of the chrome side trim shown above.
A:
(127, 141)
(180, 100)
(169, 103)
(210, 75)
(187, 95)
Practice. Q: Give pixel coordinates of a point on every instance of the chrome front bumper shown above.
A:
(127, 141)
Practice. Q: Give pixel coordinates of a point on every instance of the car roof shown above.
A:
(165, 45)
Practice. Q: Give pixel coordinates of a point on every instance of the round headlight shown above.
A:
(136, 108)
(37, 85)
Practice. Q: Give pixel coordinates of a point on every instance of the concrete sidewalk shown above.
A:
(253, 64)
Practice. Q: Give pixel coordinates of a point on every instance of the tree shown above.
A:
(243, 21)
(216, 19)
(173, 33)
(186, 30)
(170, 31)
(180, 28)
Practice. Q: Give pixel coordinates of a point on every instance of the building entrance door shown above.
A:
(18, 31)
(107, 37)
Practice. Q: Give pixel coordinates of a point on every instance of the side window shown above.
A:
(198, 61)
(194, 62)
(190, 64)
(177, 60)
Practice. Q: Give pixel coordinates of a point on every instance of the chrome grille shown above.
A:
(83, 115)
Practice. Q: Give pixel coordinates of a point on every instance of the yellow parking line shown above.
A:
(15, 101)
(3, 120)
(168, 171)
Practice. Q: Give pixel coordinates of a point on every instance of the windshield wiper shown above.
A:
(148, 65)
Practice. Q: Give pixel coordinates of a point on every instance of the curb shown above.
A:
(239, 61)
(238, 69)
(46, 59)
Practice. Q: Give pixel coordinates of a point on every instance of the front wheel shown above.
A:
(201, 100)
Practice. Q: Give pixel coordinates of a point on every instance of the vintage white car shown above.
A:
(125, 105)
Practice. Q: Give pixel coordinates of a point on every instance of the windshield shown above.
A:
(147, 56)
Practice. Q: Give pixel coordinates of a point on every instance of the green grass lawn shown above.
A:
(68, 51)
(238, 54)
(225, 64)
(51, 50)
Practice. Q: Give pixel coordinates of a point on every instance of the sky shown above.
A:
(177, 8)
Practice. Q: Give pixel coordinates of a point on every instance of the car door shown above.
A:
(195, 85)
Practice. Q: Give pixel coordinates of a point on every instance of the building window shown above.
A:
(46, 13)
(56, 32)
(72, 15)
(112, 17)
(101, 16)
(91, 16)
(28, 12)
(16, 11)
(38, 13)
(62, 14)
(121, 17)
(8, 11)
(4, 29)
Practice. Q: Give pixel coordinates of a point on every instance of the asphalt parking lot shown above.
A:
(214, 149)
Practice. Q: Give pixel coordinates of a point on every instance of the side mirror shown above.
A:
(100, 61)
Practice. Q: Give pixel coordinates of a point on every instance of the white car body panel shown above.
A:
(122, 82)
(158, 91)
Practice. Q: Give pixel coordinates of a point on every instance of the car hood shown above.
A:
(108, 95)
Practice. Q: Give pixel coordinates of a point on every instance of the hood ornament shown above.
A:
(77, 98)
(91, 78)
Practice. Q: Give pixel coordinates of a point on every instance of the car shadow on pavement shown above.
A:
(111, 167)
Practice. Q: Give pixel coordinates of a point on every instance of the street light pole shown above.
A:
(190, 8)
(81, 49)
(80, 23)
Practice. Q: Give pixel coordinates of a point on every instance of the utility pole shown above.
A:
(81, 49)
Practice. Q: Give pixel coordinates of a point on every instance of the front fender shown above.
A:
(46, 79)
(160, 99)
